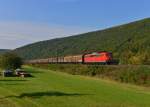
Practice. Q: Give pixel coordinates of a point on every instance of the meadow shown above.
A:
(56, 89)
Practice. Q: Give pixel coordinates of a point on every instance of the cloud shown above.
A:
(16, 34)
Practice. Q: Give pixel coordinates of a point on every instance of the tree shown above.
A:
(10, 61)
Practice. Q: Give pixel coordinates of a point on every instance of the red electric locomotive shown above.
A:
(98, 57)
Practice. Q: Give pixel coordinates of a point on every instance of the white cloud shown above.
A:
(16, 34)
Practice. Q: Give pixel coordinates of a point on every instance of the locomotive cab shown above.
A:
(98, 57)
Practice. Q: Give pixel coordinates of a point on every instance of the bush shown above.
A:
(134, 74)
(10, 61)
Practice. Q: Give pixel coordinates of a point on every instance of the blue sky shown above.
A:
(27, 21)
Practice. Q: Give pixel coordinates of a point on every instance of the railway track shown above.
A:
(118, 65)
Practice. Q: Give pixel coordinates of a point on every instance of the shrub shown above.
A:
(139, 75)
(10, 61)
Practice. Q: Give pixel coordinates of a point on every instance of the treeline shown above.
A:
(2, 51)
(129, 43)
(139, 75)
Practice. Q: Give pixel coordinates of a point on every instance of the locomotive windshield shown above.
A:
(95, 54)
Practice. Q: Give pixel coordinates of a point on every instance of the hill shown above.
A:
(3, 51)
(129, 42)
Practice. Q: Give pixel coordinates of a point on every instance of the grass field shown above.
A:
(55, 89)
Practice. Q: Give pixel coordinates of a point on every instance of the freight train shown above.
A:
(102, 57)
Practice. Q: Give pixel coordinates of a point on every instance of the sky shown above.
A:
(27, 21)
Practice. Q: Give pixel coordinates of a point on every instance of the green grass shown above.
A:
(55, 89)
